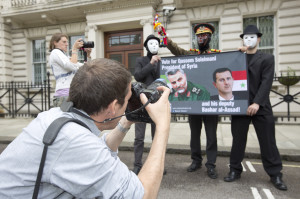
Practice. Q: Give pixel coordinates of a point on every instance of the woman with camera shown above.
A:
(63, 66)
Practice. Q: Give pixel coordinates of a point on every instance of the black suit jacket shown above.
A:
(146, 72)
(260, 74)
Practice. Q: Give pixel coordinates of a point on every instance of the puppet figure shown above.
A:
(161, 32)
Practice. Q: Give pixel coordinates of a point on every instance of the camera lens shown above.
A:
(88, 44)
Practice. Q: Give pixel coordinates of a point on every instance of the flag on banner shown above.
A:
(240, 80)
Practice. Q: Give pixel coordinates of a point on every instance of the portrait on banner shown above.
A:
(209, 84)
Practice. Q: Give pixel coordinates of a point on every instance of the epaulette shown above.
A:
(215, 50)
(195, 50)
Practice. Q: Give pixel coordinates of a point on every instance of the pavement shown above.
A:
(287, 138)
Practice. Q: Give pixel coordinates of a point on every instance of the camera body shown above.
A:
(88, 44)
(171, 8)
(134, 103)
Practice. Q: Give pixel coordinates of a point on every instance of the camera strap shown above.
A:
(54, 128)
(68, 107)
(48, 139)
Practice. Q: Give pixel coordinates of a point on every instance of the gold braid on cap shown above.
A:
(203, 29)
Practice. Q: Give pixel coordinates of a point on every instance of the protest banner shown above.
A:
(194, 90)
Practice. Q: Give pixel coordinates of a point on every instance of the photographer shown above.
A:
(79, 164)
(64, 67)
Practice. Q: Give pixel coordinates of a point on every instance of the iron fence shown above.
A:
(24, 98)
(287, 98)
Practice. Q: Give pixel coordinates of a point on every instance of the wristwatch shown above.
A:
(122, 129)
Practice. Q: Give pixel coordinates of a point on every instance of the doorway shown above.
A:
(125, 47)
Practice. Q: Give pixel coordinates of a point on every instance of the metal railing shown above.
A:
(24, 98)
(20, 3)
(288, 98)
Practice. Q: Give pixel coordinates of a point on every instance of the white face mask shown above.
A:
(153, 46)
(250, 40)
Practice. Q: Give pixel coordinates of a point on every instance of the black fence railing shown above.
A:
(24, 98)
(287, 98)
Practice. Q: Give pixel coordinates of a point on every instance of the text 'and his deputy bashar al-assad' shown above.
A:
(221, 106)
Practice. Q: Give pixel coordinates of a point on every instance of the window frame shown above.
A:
(80, 52)
(264, 48)
(120, 47)
(42, 62)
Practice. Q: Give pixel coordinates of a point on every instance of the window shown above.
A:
(72, 39)
(120, 40)
(39, 61)
(265, 25)
(214, 43)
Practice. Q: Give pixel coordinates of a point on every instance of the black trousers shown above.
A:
(140, 129)
(265, 130)
(210, 123)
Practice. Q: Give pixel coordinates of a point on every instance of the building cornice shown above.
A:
(124, 4)
(15, 7)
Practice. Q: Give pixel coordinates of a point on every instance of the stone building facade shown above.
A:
(118, 28)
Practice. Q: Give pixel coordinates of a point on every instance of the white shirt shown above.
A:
(78, 164)
(63, 69)
(221, 98)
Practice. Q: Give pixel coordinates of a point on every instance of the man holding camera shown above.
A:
(79, 164)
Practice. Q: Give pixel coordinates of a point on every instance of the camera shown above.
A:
(168, 11)
(134, 112)
(88, 44)
(170, 8)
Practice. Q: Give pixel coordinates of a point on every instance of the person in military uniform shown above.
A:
(203, 32)
(183, 90)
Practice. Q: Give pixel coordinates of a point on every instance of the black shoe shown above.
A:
(136, 170)
(212, 173)
(194, 166)
(278, 183)
(232, 176)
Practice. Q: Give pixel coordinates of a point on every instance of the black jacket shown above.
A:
(146, 72)
(260, 74)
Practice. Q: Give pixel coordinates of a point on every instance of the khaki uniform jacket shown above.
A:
(194, 92)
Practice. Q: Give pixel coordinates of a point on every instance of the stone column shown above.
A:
(95, 34)
(147, 29)
(6, 67)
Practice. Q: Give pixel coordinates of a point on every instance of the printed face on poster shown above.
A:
(209, 84)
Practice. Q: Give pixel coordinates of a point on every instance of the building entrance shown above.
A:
(125, 47)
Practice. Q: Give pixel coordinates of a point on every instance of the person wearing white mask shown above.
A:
(259, 112)
(146, 71)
